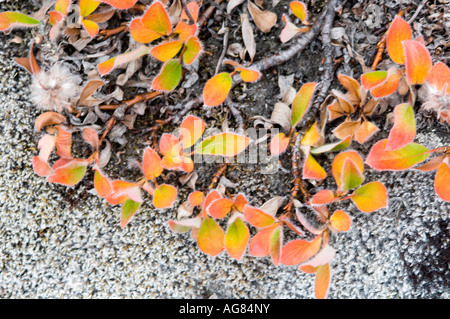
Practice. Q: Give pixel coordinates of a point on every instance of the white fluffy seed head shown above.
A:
(55, 89)
(434, 100)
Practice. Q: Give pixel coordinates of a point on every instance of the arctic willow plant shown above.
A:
(220, 221)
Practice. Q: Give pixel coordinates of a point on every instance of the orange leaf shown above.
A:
(248, 75)
(370, 197)
(63, 143)
(91, 27)
(102, 184)
(88, 6)
(260, 243)
(122, 191)
(372, 79)
(219, 208)
(442, 182)
(216, 89)
(239, 202)
(322, 282)
(212, 195)
(398, 31)
(169, 145)
(300, 10)
(62, 6)
(298, 251)
(196, 198)
(120, 4)
(340, 221)
(191, 129)
(151, 164)
(301, 102)
(398, 160)
(256, 217)
(90, 135)
(351, 176)
(323, 197)
(183, 29)
(312, 135)
(312, 169)
(389, 86)
(41, 167)
(164, 196)
(210, 238)
(236, 239)
(167, 50)
(157, 19)
(417, 62)
(141, 33)
(366, 131)
(10, 20)
(439, 77)
(275, 245)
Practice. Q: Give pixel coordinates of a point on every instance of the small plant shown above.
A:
(294, 234)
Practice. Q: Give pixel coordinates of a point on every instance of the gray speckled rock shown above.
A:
(50, 250)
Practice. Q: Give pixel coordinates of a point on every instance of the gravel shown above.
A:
(49, 249)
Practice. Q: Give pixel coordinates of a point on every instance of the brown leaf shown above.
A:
(247, 36)
(48, 118)
(232, 4)
(89, 89)
(281, 115)
(263, 19)
(101, 17)
(347, 128)
(352, 86)
(370, 107)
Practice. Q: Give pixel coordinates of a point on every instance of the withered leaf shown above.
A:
(89, 89)
(48, 118)
(232, 4)
(264, 19)
(281, 115)
(347, 128)
(247, 36)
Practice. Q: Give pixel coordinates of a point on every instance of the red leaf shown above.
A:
(298, 251)
(404, 129)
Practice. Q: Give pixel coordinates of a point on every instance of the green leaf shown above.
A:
(223, 144)
(301, 102)
(169, 77)
(129, 208)
(10, 20)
